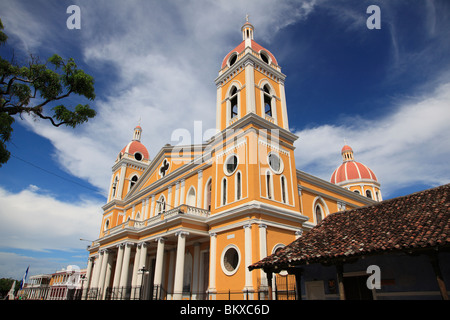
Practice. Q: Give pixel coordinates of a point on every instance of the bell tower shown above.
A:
(250, 81)
(130, 163)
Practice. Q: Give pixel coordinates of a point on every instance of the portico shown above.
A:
(163, 267)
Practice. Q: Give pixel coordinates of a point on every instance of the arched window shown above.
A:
(208, 195)
(233, 103)
(238, 186)
(224, 191)
(267, 101)
(190, 199)
(284, 196)
(114, 187)
(133, 181)
(269, 184)
(319, 214)
(161, 204)
(106, 225)
(368, 194)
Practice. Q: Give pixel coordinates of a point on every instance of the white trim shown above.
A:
(225, 164)
(281, 162)
(227, 272)
(208, 181)
(195, 197)
(269, 187)
(223, 192)
(325, 211)
(236, 185)
(286, 193)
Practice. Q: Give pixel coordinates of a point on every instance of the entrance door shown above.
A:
(356, 288)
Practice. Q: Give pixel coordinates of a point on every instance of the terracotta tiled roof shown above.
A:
(255, 46)
(135, 146)
(417, 221)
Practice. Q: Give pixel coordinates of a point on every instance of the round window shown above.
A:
(275, 162)
(232, 59)
(230, 260)
(231, 164)
(138, 156)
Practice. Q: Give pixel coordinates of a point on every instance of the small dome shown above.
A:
(346, 148)
(135, 147)
(255, 46)
(351, 169)
(247, 36)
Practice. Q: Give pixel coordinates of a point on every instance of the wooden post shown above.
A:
(434, 259)
(297, 272)
(269, 282)
(298, 283)
(340, 279)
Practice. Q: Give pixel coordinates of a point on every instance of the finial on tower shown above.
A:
(247, 32)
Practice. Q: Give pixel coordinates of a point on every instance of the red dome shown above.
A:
(255, 46)
(352, 170)
(346, 148)
(135, 146)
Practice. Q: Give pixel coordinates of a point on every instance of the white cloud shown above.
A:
(166, 56)
(410, 145)
(32, 220)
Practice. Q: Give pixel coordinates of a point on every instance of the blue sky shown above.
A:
(386, 92)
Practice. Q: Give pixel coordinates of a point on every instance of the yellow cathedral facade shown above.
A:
(187, 223)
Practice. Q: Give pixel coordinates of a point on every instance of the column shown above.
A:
(195, 270)
(101, 281)
(119, 188)
(152, 208)
(200, 189)
(159, 266)
(118, 271)
(97, 269)
(248, 257)
(169, 198)
(108, 273)
(88, 278)
(142, 267)
(177, 194)
(125, 266)
(136, 267)
(263, 251)
(212, 265)
(179, 267)
(250, 87)
(283, 105)
(171, 274)
(182, 199)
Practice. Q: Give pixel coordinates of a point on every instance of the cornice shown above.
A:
(259, 207)
(303, 176)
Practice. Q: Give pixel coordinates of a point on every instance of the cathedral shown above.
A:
(188, 223)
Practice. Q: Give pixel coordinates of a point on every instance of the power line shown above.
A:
(55, 174)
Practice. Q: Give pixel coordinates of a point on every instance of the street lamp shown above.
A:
(143, 270)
